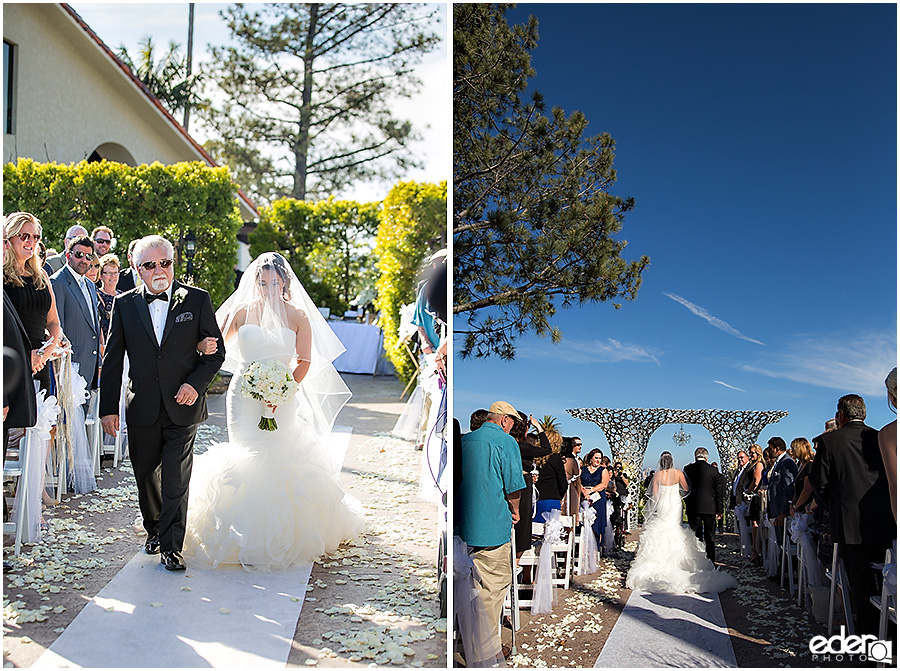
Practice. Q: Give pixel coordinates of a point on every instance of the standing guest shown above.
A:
(887, 441)
(93, 271)
(751, 484)
(576, 450)
(19, 403)
(527, 453)
(129, 277)
(102, 237)
(57, 261)
(477, 418)
(781, 485)
(704, 499)
(735, 497)
(159, 327)
(594, 481)
(573, 470)
(107, 292)
(76, 300)
(552, 483)
(488, 504)
(849, 474)
(802, 453)
(28, 286)
(720, 518)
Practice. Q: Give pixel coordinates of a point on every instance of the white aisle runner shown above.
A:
(148, 617)
(669, 630)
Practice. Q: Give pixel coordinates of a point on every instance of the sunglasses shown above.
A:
(101, 241)
(83, 255)
(151, 265)
(95, 265)
(26, 237)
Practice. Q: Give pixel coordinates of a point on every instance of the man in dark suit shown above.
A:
(848, 474)
(780, 491)
(129, 273)
(159, 325)
(704, 501)
(76, 304)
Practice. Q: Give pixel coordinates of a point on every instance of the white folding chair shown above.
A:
(837, 576)
(886, 603)
(802, 577)
(16, 468)
(94, 431)
(788, 553)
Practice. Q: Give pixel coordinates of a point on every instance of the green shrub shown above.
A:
(413, 226)
(136, 201)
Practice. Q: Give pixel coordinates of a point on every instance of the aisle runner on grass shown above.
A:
(669, 630)
(148, 617)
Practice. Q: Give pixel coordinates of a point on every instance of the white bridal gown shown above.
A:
(267, 499)
(670, 558)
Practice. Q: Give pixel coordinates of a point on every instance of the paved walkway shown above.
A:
(669, 630)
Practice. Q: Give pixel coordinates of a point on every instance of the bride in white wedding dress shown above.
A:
(669, 557)
(269, 498)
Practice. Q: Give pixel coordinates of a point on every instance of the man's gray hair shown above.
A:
(701, 453)
(152, 242)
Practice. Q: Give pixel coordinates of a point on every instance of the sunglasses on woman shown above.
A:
(26, 237)
(83, 255)
(151, 265)
(95, 265)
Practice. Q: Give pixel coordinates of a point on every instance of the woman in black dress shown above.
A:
(552, 483)
(528, 453)
(28, 286)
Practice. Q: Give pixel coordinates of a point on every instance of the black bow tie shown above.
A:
(152, 297)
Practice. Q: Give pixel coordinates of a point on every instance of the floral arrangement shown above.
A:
(271, 382)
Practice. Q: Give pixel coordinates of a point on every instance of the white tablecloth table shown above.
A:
(363, 344)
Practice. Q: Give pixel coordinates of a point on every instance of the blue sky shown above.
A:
(128, 23)
(759, 142)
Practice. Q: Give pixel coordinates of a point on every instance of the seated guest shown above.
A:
(848, 473)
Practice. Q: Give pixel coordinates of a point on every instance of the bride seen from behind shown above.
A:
(670, 558)
(269, 497)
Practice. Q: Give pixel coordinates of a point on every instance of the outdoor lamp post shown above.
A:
(190, 248)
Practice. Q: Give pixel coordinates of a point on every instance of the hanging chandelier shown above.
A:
(681, 437)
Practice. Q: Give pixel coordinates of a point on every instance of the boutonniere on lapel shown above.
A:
(178, 296)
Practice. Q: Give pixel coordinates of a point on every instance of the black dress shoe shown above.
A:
(151, 547)
(172, 560)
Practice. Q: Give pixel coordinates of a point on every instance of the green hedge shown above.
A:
(327, 243)
(169, 200)
(413, 226)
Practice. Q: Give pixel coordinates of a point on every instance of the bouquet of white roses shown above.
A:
(271, 382)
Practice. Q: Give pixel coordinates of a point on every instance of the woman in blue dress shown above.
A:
(594, 480)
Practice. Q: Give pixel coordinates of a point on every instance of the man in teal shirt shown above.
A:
(488, 503)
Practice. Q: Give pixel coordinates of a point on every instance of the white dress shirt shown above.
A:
(159, 310)
(82, 284)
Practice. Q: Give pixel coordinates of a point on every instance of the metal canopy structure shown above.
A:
(628, 432)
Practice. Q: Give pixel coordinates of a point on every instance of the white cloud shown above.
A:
(715, 321)
(729, 386)
(852, 364)
(590, 351)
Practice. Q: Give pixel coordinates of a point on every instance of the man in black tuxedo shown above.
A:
(159, 326)
(704, 501)
(848, 474)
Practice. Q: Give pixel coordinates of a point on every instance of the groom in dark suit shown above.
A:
(159, 326)
(704, 501)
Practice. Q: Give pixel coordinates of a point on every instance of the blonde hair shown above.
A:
(14, 223)
(802, 450)
(109, 258)
(556, 443)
